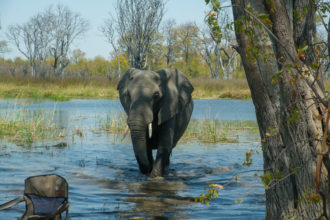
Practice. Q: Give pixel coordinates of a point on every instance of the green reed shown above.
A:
(217, 131)
(203, 130)
(24, 127)
(113, 123)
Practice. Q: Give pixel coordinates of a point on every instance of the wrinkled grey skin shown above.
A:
(162, 98)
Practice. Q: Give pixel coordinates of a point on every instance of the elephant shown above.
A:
(158, 107)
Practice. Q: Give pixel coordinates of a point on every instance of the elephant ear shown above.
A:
(122, 88)
(177, 93)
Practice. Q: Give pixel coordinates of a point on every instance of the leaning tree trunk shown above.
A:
(290, 118)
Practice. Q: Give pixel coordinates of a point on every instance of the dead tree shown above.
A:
(3, 45)
(219, 54)
(170, 41)
(136, 22)
(66, 27)
(108, 31)
(32, 39)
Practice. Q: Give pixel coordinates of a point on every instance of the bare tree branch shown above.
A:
(66, 26)
(136, 23)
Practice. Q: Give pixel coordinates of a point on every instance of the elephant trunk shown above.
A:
(142, 153)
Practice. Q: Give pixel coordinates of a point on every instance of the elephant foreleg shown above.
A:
(165, 143)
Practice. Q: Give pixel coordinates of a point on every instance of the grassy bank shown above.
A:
(220, 89)
(57, 88)
(102, 88)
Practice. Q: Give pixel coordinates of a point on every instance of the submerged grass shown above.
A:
(203, 130)
(24, 127)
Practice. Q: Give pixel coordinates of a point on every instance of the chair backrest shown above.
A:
(47, 186)
(44, 195)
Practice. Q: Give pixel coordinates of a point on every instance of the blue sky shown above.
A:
(93, 44)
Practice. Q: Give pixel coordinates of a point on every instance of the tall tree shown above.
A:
(66, 27)
(170, 38)
(276, 42)
(108, 31)
(3, 45)
(136, 22)
(32, 39)
(218, 53)
(49, 33)
(188, 41)
(77, 55)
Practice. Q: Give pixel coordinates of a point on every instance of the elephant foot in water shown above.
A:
(161, 163)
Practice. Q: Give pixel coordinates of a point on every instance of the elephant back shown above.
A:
(177, 94)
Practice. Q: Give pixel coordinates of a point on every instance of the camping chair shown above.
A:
(45, 196)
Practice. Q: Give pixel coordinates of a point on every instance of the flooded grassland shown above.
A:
(82, 140)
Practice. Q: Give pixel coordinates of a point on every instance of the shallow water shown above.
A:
(104, 180)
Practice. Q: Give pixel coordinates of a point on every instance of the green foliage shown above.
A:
(310, 197)
(240, 201)
(277, 77)
(295, 114)
(100, 66)
(212, 193)
(271, 178)
(212, 20)
(248, 158)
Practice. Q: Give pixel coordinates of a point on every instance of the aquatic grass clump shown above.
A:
(239, 125)
(216, 131)
(113, 123)
(204, 130)
(24, 127)
(207, 131)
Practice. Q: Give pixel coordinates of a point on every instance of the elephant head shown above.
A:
(150, 97)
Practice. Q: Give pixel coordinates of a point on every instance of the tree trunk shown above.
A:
(118, 63)
(287, 112)
(33, 70)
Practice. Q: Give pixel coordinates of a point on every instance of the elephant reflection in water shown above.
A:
(159, 106)
(157, 198)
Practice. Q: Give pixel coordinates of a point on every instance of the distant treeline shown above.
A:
(46, 40)
(79, 65)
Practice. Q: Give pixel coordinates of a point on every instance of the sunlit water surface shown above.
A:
(104, 180)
